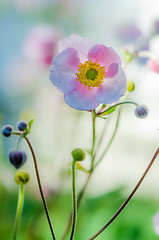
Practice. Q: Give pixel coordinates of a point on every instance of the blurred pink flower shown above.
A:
(153, 62)
(153, 65)
(40, 44)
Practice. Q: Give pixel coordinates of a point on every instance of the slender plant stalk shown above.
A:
(111, 139)
(78, 204)
(74, 201)
(19, 211)
(39, 183)
(128, 198)
(40, 187)
(146, 54)
(80, 196)
(93, 139)
(19, 141)
(118, 104)
(102, 136)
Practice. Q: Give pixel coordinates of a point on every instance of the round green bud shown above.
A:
(22, 177)
(78, 154)
(130, 86)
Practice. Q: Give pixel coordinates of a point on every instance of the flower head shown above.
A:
(88, 74)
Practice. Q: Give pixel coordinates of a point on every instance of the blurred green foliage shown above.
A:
(135, 223)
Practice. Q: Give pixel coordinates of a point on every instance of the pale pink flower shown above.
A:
(88, 74)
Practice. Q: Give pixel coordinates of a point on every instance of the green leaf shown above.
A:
(128, 56)
(102, 117)
(80, 167)
(108, 111)
(88, 151)
(27, 131)
(30, 124)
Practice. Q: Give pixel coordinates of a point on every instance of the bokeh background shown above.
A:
(29, 32)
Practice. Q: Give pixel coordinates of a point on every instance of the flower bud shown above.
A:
(17, 158)
(78, 154)
(22, 125)
(22, 177)
(130, 86)
(141, 111)
(7, 130)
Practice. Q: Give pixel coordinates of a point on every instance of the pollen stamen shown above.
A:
(91, 74)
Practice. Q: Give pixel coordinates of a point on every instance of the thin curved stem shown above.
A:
(40, 187)
(74, 201)
(19, 141)
(93, 139)
(114, 106)
(128, 198)
(19, 211)
(146, 54)
(111, 139)
(102, 135)
(79, 198)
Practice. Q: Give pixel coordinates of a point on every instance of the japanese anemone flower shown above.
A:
(40, 44)
(88, 74)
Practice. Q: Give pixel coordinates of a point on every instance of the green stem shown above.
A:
(19, 141)
(80, 196)
(39, 182)
(146, 54)
(19, 211)
(111, 139)
(118, 104)
(102, 136)
(40, 187)
(93, 139)
(128, 198)
(74, 204)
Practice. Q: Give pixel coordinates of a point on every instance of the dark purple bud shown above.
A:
(7, 130)
(141, 111)
(17, 158)
(22, 125)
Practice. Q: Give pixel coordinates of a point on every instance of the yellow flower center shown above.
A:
(91, 74)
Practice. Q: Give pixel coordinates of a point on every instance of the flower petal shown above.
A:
(114, 86)
(62, 72)
(82, 98)
(104, 55)
(82, 45)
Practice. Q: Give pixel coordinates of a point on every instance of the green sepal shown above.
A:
(30, 124)
(103, 106)
(108, 111)
(80, 167)
(102, 117)
(88, 151)
(27, 131)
